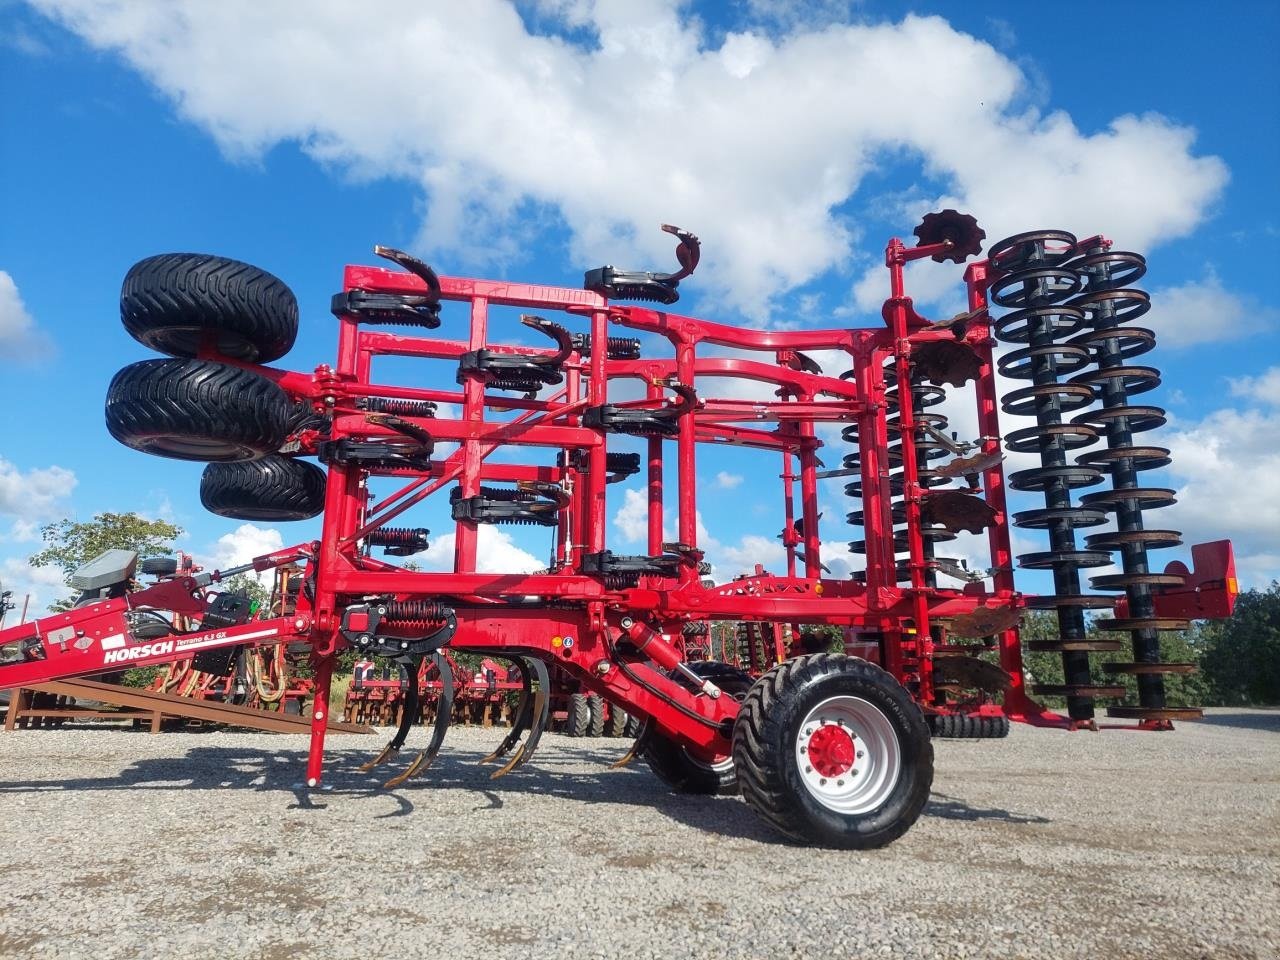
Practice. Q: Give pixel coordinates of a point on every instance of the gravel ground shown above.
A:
(1115, 845)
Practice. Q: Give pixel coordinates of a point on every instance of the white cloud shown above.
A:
(496, 552)
(33, 495)
(20, 338)
(632, 518)
(498, 124)
(1228, 471)
(242, 545)
(752, 549)
(1264, 388)
(1203, 311)
(727, 481)
(43, 585)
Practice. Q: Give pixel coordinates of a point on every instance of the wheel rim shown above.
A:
(197, 448)
(848, 755)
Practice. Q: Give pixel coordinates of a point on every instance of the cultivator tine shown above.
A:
(408, 713)
(538, 711)
(444, 712)
(636, 747)
(522, 715)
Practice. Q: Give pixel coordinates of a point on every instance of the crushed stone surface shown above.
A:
(119, 844)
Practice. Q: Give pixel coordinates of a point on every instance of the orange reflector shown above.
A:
(1233, 588)
(557, 641)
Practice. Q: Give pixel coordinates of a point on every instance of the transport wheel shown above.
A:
(831, 750)
(685, 770)
(595, 704)
(616, 725)
(270, 488)
(960, 727)
(579, 715)
(632, 729)
(159, 566)
(173, 302)
(196, 410)
(293, 707)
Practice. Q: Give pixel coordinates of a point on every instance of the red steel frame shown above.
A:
(579, 631)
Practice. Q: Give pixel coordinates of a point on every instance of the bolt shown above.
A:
(602, 667)
(804, 749)
(404, 644)
(839, 783)
(319, 714)
(808, 732)
(312, 782)
(860, 754)
(382, 611)
(853, 773)
(822, 782)
(299, 624)
(808, 769)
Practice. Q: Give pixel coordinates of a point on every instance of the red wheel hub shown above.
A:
(831, 750)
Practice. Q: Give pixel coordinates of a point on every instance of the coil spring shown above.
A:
(616, 348)
(409, 615)
(1032, 278)
(413, 539)
(1108, 303)
(926, 448)
(398, 408)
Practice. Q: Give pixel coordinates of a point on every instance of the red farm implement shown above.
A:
(828, 748)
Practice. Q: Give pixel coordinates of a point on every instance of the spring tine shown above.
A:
(636, 747)
(540, 712)
(408, 714)
(444, 712)
(523, 714)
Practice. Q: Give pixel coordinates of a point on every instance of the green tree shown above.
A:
(68, 544)
(1242, 655)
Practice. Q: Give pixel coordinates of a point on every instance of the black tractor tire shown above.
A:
(579, 715)
(173, 302)
(596, 704)
(293, 707)
(895, 758)
(680, 768)
(270, 488)
(616, 725)
(196, 410)
(143, 627)
(960, 727)
(159, 566)
(632, 729)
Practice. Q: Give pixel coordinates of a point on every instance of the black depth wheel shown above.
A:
(579, 715)
(595, 704)
(616, 725)
(831, 750)
(196, 410)
(689, 771)
(960, 727)
(270, 488)
(173, 302)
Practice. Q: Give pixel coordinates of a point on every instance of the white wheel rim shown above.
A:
(848, 755)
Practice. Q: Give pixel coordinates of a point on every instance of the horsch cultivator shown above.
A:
(828, 748)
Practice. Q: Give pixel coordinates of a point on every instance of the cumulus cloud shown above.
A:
(243, 544)
(1264, 388)
(1203, 311)
(20, 338)
(755, 139)
(727, 481)
(32, 495)
(496, 552)
(36, 587)
(1227, 469)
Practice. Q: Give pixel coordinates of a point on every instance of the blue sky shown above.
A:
(534, 140)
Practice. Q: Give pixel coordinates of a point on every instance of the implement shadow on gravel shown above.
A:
(279, 772)
(1267, 722)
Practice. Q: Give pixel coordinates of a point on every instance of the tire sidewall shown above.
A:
(901, 808)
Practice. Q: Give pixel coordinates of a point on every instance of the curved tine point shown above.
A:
(387, 753)
(626, 758)
(523, 715)
(444, 711)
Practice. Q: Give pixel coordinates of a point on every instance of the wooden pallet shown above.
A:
(27, 710)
